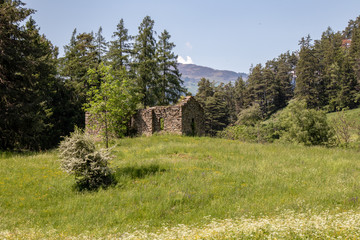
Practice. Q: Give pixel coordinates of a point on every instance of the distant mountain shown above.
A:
(191, 75)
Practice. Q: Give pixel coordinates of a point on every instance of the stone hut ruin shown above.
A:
(186, 117)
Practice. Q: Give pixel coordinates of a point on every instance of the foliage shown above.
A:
(145, 64)
(169, 84)
(80, 158)
(302, 125)
(80, 55)
(342, 128)
(30, 90)
(101, 45)
(120, 48)
(250, 116)
(213, 101)
(113, 99)
(295, 123)
(346, 127)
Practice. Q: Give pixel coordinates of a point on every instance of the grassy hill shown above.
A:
(347, 121)
(173, 187)
(352, 115)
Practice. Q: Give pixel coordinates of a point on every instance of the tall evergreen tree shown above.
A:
(216, 113)
(256, 89)
(101, 45)
(120, 48)
(27, 80)
(230, 100)
(239, 95)
(169, 83)
(144, 64)
(284, 75)
(213, 101)
(309, 80)
(80, 55)
(271, 96)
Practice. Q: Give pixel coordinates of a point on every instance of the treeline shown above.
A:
(43, 97)
(324, 73)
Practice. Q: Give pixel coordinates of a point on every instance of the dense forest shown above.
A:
(44, 97)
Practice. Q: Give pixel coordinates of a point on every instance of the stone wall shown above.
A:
(142, 121)
(187, 118)
(193, 118)
(171, 117)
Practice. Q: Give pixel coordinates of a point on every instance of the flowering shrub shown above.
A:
(80, 158)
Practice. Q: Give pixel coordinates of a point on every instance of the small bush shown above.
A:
(302, 125)
(295, 123)
(250, 116)
(342, 128)
(89, 166)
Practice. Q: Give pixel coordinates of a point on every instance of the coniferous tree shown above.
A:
(80, 55)
(101, 45)
(27, 81)
(284, 74)
(121, 48)
(239, 95)
(216, 113)
(213, 101)
(230, 100)
(270, 102)
(256, 89)
(309, 82)
(144, 64)
(169, 83)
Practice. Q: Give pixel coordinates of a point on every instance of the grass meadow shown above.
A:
(176, 187)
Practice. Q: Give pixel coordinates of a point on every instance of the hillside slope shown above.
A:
(191, 74)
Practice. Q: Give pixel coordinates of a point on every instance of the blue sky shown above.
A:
(225, 35)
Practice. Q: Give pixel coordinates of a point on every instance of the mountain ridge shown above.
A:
(192, 73)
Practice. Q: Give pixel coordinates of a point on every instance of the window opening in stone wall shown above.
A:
(193, 127)
(161, 120)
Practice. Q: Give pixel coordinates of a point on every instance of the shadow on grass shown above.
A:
(135, 172)
(116, 178)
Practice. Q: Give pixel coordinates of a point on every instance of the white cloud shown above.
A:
(188, 45)
(188, 60)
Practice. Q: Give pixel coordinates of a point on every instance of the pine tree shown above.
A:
(101, 45)
(213, 101)
(256, 91)
(309, 82)
(121, 48)
(205, 89)
(144, 64)
(169, 87)
(80, 55)
(271, 97)
(27, 80)
(230, 100)
(239, 95)
(284, 75)
(216, 113)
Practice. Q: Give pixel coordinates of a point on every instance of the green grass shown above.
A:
(352, 115)
(351, 120)
(171, 180)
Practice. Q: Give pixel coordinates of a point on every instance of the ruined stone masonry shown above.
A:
(186, 117)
